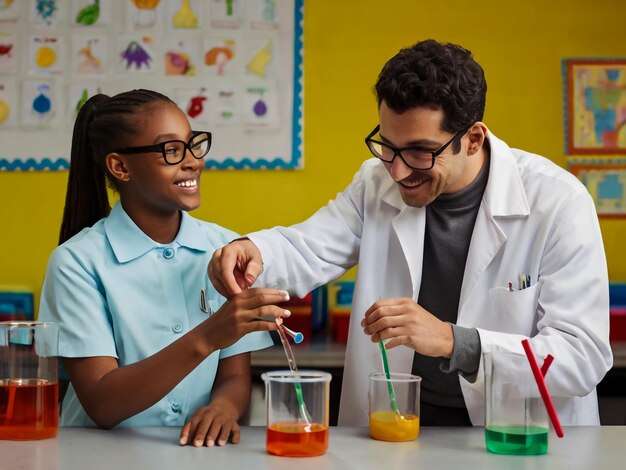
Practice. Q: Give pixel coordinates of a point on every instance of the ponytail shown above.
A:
(86, 200)
(101, 122)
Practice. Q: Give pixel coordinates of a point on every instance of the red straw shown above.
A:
(546, 364)
(543, 389)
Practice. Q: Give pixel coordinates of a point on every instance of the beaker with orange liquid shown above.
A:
(399, 419)
(297, 412)
(29, 387)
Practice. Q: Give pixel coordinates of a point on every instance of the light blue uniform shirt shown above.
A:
(116, 292)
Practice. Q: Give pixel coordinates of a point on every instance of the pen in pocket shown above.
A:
(524, 281)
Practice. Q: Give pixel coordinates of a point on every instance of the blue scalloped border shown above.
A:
(228, 163)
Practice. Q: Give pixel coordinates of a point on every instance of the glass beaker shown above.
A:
(385, 423)
(297, 412)
(516, 421)
(29, 387)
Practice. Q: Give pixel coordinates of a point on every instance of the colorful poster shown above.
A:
(263, 14)
(90, 13)
(135, 54)
(605, 179)
(45, 55)
(143, 14)
(9, 11)
(8, 103)
(219, 57)
(79, 93)
(226, 14)
(8, 52)
(595, 97)
(39, 102)
(46, 13)
(181, 56)
(184, 15)
(89, 55)
(259, 57)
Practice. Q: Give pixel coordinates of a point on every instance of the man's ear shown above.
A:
(116, 165)
(477, 134)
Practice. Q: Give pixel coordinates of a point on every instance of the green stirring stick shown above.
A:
(392, 393)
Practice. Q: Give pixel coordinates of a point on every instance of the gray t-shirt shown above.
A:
(449, 225)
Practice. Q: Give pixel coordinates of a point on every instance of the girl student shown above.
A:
(145, 339)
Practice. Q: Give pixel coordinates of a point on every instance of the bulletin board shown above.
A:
(235, 67)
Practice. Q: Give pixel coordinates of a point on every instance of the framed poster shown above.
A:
(605, 179)
(595, 106)
(235, 67)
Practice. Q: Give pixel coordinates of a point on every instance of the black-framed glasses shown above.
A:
(174, 151)
(414, 157)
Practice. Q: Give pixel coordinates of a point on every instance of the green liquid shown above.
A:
(516, 440)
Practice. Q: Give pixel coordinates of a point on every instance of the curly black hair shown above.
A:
(437, 75)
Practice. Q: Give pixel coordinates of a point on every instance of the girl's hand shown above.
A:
(240, 316)
(211, 424)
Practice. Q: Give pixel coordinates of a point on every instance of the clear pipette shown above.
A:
(296, 335)
(294, 369)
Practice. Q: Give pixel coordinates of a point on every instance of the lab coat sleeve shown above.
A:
(304, 256)
(573, 316)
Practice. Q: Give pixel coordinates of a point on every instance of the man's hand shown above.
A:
(235, 267)
(402, 321)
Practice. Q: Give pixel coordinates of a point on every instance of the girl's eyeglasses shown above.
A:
(174, 151)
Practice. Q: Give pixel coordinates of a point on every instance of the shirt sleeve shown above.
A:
(466, 353)
(250, 342)
(71, 297)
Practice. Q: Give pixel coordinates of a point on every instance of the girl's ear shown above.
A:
(477, 135)
(117, 167)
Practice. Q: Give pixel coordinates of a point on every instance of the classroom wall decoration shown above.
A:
(233, 66)
(605, 179)
(594, 92)
(595, 100)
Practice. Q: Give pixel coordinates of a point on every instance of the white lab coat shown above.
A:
(535, 218)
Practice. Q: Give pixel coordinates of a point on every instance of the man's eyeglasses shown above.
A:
(413, 157)
(174, 151)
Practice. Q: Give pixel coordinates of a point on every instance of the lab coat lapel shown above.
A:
(504, 197)
(409, 226)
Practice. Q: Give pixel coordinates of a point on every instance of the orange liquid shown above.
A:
(28, 409)
(388, 426)
(292, 440)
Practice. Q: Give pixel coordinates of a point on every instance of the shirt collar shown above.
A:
(129, 242)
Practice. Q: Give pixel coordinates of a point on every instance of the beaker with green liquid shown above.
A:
(516, 421)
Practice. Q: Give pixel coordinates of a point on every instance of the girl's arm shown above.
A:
(229, 400)
(110, 394)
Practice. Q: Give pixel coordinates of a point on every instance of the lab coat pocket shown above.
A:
(514, 311)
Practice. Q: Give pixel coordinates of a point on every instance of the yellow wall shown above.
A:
(520, 46)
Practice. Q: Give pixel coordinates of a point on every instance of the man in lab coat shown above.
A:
(464, 246)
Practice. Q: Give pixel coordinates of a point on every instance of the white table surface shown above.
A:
(595, 448)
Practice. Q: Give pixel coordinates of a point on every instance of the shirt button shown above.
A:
(177, 328)
(175, 407)
(168, 253)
